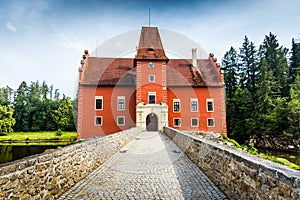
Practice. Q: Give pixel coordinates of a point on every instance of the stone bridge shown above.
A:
(147, 165)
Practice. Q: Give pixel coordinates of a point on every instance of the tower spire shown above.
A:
(149, 16)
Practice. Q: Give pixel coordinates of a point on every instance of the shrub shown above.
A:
(58, 132)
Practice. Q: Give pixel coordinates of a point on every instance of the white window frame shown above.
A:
(194, 100)
(192, 122)
(118, 120)
(213, 121)
(149, 78)
(96, 98)
(176, 100)
(151, 94)
(121, 98)
(213, 105)
(179, 122)
(95, 120)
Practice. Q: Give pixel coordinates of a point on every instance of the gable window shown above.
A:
(194, 105)
(211, 122)
(98, 121)
(209, 105)
(151, 78)
(99, 103)
(121, 103)
(121, 121)
(194, 122)
(151, 97)
(176, 122)
(176, 105)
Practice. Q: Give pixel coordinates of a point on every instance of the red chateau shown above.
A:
(149, 91)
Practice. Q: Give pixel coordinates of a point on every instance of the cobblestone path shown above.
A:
(149, 167)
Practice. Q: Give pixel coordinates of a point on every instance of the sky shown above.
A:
(44, 39)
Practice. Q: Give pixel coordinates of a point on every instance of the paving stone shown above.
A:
(152, 167)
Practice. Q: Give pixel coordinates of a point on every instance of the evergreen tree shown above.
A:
(294, 68)
(230, 67)
(294, 107)
(277, 63)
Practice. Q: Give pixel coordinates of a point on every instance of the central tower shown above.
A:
(151, 81)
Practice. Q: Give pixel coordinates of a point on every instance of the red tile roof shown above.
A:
(111, 71)
(150, 45)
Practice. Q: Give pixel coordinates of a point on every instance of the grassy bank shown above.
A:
(43, 135)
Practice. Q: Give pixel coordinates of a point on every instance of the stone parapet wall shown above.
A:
(238, 174)
(50, 174)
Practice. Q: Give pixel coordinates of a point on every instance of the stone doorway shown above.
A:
(151, 122)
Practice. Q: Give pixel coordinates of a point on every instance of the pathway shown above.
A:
(149, 167)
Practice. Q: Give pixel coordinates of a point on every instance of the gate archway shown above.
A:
(151, 122)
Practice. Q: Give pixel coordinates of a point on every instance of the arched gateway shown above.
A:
(151, 122)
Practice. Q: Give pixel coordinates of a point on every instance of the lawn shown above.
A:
(43, 135)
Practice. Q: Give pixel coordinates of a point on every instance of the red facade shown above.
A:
(150, 91)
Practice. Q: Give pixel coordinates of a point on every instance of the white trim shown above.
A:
(177, 100)
(179, 122)
(213, 121)
(213, 105)
(191, 100)
(95, 124)
(99, 97)
(149, 79)
(121, 97)
(197, 122)
(118, 120)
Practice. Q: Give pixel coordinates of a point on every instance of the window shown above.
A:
(194, 122)
(98, 121)
(151, 78)
(210, 122)
(121, 121)
(152, 97)
(194, 105)
(99, 103)
(210, 105)
(176, 105)
(121, 103)
(176, 122)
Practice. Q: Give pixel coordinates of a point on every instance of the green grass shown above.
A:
(252, 150)
(43, 135)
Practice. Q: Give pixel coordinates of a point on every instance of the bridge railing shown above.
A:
(50, 174)
(238, 174)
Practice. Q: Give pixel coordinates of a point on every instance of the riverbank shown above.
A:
(43, 136)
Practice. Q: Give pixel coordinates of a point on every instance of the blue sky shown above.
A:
(44, 39)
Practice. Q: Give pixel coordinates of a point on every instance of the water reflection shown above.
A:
(15, 152)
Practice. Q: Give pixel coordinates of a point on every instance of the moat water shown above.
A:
(14, 152)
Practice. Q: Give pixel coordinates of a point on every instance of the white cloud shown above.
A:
(11, 27)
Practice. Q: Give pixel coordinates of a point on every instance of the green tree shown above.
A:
(230, 67)
(294, 67)
(63, 116)
(275, 56)
(6, 119)
(294, 107)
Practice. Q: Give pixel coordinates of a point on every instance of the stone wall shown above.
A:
(50, 174)
(238, 174)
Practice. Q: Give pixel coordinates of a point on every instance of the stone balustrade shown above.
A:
(50, 174)
(238, 174)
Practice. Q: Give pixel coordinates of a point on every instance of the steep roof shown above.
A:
(120, 71)
(150, 45)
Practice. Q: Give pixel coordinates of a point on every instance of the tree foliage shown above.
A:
(262, 89)
(33, 106)
(6, 119)
(63, 116)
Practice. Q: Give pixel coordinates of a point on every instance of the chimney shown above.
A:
(194, 57)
